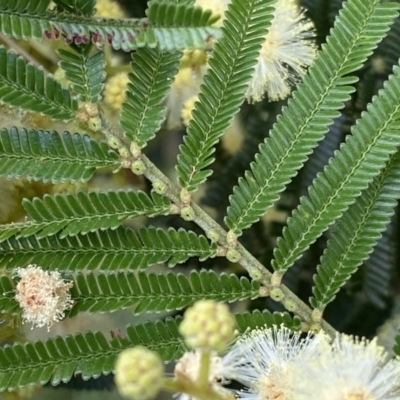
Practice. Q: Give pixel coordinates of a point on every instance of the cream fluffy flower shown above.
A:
(350, 369)
(262, 362)
(42, 295)
(285, 55)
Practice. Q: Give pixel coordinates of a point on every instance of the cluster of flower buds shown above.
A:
(269, 363)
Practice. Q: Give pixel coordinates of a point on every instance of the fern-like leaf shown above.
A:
(85, 72)
(143, 112)
(89, 354)
(375, 137)
(47, 156)
(174, 26)
(109, 292)
(82, 213)
(356, 233)
(107, 250)
(359, 27)
(224, 86)
(155, 292)
(24, 86)
(58, 359)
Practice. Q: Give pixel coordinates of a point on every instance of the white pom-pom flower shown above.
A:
(286, 53)
(261, 361)
(350, 369)
(42, 295)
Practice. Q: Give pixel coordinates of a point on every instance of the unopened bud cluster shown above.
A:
(139, 373)
(208, 326)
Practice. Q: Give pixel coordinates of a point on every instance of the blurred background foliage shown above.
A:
(367, 305)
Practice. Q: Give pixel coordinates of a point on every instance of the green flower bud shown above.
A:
(139, 373)
(94, 124)
(159, 187)
(187, 213)
(277, 294)
(138, 167)
(208, 326)
(233, 255)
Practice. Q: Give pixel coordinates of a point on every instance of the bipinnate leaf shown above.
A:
(50, 157)
(230, 68)
(358, 29)
(374, 138)
(84, 212)
(117, 249)
(356, 233)
(24, 86)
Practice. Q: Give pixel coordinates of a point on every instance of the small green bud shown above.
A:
(290, 305)
(159, 187)
(114, 142)
(139, 373)
(94, 124)
(208, 326)
(233, 255)
(277, 294)
(213, 235)
(255, 273)
(123, 152)
(138, 167)
(187, 213)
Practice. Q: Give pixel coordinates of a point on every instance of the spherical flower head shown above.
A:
(114, 90)
(262, 360)
(188, 368)
(208, 326)
(352, 369)
(108, 9)
(42, 295)
(286, 53)
(139, 373)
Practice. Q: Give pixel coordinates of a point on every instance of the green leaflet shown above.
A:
(85, 72)
(49, 157)
(174, 27)
(150, 80)
(83, 213)
(356, 233)
(360, 26)
(24, 86)
(375, 137)
(107, 250)
(147, 292)
(230, 69)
